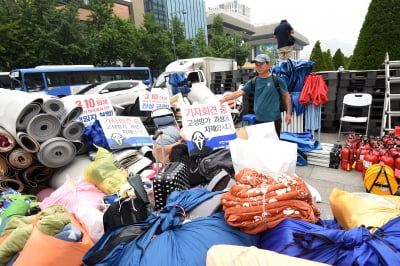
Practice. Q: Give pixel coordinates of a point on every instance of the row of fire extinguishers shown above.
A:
(360, 152)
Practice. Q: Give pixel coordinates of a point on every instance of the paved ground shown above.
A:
(324, 179)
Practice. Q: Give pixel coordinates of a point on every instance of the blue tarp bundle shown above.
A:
(305, 141)
(293, 72)
(169, 241)
(178, 82)
(335, 246)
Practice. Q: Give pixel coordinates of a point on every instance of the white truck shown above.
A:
(200, 74)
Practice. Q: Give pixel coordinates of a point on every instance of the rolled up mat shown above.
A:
(7, 141)
(56, 152)
(43, 127)
(27, 142)
(11, 183)
(52, 105)
(4, 167)
(73, 130)
(36, 174)
(20, 158)
(71, 110)
(80, 146)
(74, 170)
(19, 108)
(127, 157)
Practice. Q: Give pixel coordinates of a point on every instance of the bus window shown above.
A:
(62, 81)
(5, 80)
(34, 82)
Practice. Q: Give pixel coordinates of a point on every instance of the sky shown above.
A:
(336, 24)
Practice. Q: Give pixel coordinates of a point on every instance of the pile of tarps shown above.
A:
(308, 91)
(178, 81)
(294, 73)
(365, 231)
(167, 238)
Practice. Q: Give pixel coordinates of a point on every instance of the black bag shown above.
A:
(180, 153)
(202, 169)
(173, 177)
(282, 104)
(213, 163)
(124, 211)
(291, 39)
(128, 210)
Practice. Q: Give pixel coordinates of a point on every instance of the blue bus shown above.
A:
(68, 79)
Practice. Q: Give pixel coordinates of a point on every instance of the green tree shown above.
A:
(154, 48)
(338, 59)
(328, 60)
(45, 34)
(8, 39)
(318, 58)
(379, 34)
(183, 48)
(200, 44)
(117, 43)
(240, 49)
(98, 30)
(220, 44)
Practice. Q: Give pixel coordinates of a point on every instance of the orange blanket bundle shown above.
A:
(259, 202)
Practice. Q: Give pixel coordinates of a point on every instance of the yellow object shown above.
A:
(380, 179)
(105, 173)
(355, 209)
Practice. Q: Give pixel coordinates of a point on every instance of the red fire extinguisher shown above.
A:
(387, 159)
(347, 158)
(370, 158)
(360, 153)
(397, 166)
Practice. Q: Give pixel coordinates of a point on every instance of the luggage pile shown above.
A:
(159, 206)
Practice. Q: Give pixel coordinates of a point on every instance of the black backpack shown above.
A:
(278, 88)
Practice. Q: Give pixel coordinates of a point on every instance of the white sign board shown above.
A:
(93, 107)
(124, 132)
(207, 127)
(153, 100)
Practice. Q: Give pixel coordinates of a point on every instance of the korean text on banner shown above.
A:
(124, 132)
(207, 127)
(153, 100)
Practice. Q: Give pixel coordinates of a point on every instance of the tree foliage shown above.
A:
(183, 48)
(200, 44)
(318, 57)
(227, 46)
(155, 47)
(338, 60)
(379, 34)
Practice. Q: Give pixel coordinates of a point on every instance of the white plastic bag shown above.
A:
(270, 157)
(91, 219)
(262, 130)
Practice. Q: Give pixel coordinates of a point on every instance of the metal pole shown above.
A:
(184, 12)
(173, 39)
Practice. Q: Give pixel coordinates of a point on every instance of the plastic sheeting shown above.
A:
(178, 242)
(178, 82)
(334, 246)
